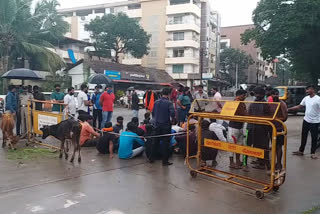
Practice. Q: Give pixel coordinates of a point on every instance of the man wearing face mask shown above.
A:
(106, 101)
(200, 95)
(83, 101)
(38, 96)
(97, 109)
(70, 101)
(57, 97)
(23, 98)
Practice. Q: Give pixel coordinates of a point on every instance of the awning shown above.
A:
(144, 83)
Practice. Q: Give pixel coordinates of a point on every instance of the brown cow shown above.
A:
(7, 126)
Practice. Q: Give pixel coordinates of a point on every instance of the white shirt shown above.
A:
(312, 105)
(218, 130)
(217, 96)
(70, 100)
(81, 98)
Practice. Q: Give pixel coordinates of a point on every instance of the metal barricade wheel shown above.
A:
(259, 194)
(193, 174)
(276, 188)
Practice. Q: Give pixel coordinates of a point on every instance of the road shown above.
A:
(102, 186)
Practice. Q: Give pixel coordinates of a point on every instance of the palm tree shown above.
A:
(27, 34)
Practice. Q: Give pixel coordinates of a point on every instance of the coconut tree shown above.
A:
(29, 34)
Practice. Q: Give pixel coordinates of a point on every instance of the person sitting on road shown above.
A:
(218, 129)
(105, 143)
(130, 144)
(147, 118)
(139, 131)
(182, 142)
(87, 132)
(117, 128)
(207, 153)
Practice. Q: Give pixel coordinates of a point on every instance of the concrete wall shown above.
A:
(154, 21)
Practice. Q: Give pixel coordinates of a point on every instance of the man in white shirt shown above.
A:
(200, 95)
(83, 102)
(218, 130)
(70, 101)
(216, 97)
(311, 120)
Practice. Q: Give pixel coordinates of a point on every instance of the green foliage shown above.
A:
(118, 33)
(119, 93)
(30, 154)
(28, 35)
(229, 58)
(290, 29)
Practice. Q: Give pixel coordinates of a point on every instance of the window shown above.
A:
(223, 45)
(178, 36)
(177, 20)
(134, 6)
(112, 10)
(177, 69)
(178, 53)
(153, 53)
(83, 18)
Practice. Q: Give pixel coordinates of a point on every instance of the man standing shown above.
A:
(57, 96)
(11, 101)
(216, 97)
(162, 113)
(23, 99)
(311, 120)
(107, 101)
(83, 101)
(71, 103)
(135, 104)
(149, 98)
(235, 130)
(38, 96)
(282, 115)
(200, 95)
(97, 109)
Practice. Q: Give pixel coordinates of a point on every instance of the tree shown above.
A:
(120, 34)
(230, 58)
(289, 28)
(28, 35)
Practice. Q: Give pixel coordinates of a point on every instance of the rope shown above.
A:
(145, 137)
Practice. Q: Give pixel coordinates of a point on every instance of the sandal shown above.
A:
(259, 167)
(298, 153)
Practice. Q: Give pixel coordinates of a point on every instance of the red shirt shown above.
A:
(107, 101)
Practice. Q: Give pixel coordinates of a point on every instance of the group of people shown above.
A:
(163, 130)
(16, 103)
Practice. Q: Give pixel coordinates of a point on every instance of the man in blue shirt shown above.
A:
(162, 113)
(97, 109)
(130, 144)
(11, 100)
(57, 97)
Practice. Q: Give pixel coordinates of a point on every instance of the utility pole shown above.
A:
(201, 64)
(237, 70)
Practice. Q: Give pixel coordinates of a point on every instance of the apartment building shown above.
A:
(261, 69)
(175, 27)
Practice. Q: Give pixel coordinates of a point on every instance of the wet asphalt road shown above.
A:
(102, 186)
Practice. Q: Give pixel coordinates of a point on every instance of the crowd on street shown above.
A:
(163, 130)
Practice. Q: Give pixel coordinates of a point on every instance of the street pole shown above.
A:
(201, 64)
(237, 70)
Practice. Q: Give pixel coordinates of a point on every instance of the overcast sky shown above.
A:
(233, 12)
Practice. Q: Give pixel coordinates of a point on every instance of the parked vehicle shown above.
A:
(292, 95)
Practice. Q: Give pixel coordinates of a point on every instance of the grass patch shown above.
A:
(31, 154)
(312, 210)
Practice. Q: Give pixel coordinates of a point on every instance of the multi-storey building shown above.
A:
(174, 26)
(257, 72)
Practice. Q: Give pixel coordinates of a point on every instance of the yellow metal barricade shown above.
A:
(229, 113)
(39, 118)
